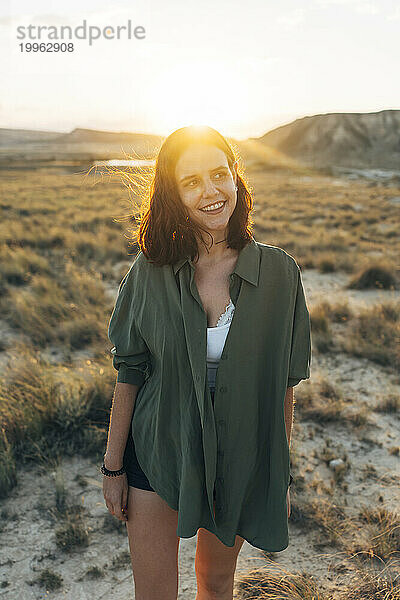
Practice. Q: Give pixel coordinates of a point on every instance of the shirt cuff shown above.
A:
(130, 375)
(292, 381)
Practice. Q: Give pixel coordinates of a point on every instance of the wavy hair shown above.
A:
(166, 233)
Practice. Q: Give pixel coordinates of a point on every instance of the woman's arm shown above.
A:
(289, 402)
(288, 407)
(120, 423)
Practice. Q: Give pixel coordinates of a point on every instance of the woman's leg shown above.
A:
(215, 566)
(153, 544)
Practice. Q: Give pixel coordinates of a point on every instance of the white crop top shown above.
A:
(216, 337)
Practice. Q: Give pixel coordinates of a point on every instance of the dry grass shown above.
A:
(375, 334)
(262, 584)
(324, 403)
(390, 405)
(49, 580)
(71, 533)
(378, 536)
(276, 583)
(376, 276)
(370, 586)
(48, 411)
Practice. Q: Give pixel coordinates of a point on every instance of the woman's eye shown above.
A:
(194, 182)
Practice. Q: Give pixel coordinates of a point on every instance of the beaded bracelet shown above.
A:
(109, 473)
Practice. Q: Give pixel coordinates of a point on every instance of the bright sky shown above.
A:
(243, 68)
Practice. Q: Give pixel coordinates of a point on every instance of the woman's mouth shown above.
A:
(215, 208)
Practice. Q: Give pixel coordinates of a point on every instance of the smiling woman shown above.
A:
(197, 188)
(210, 329)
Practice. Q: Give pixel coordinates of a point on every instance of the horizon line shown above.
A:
(133, 132)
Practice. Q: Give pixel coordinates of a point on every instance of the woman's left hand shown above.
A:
(288, 502)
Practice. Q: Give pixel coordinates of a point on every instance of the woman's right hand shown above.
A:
(115, 491)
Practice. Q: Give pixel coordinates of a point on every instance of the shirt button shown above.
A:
(223, 388)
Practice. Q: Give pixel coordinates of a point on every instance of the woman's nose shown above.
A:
(209, 188)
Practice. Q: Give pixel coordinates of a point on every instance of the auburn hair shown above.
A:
(165, 233)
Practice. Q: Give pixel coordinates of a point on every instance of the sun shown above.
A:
(198, 92)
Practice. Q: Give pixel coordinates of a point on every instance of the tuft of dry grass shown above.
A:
(322, 335)
(93, 572)
(327, 262)
(276, 583)
(375, 276)
(374, 334)
(121, 560)
(49, 580)
(263, 584)
(322, 515)
(8, 472)
(370, 584)
(72, 536)
(48, 411)
(17, 265)
(66, 308)
(390, 404)
(379, 535)
(320, 318)
(324, 403)
(72, 532)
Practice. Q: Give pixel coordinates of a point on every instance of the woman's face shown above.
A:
(204, 179)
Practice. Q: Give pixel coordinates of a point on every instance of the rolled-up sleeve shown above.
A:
(300, 354)
(131, 357)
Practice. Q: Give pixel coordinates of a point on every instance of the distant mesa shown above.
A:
(12, 137)
(19, 145)
(94, 136)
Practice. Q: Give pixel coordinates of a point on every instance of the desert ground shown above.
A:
(64, 249)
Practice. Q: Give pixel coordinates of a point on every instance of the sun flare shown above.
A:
(199, 93)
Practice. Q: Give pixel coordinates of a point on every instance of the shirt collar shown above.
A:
(247, 264)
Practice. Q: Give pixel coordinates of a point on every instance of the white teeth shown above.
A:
(213, 206)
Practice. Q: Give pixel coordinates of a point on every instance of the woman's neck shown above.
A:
(215, 251)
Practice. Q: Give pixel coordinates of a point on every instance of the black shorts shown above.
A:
(136, 477)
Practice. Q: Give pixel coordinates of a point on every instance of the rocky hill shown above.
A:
(363, 140)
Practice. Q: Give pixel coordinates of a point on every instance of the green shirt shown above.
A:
(184, 444)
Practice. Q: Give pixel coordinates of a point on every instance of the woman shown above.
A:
(211, 332)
